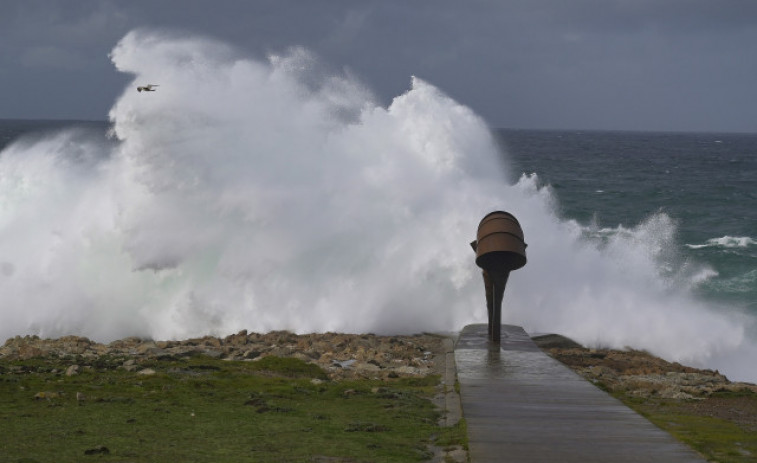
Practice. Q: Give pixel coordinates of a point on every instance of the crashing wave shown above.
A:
(265, 194)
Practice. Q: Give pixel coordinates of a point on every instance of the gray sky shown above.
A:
(686, 65)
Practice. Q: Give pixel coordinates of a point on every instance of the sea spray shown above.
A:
(273, 195)
(240, 196)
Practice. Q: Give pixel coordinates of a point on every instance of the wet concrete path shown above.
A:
(523, 406)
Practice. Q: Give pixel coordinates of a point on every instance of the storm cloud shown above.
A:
(585, 64)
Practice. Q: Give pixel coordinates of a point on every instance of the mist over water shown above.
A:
(272, 194)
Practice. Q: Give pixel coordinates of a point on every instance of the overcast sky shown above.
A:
(687, 65)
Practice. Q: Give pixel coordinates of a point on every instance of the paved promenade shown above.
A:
(523, 406)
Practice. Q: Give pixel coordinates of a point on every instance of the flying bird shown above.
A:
(147, 88)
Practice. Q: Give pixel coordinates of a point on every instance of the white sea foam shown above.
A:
(270, 195)
(726, 242)
(742, 283)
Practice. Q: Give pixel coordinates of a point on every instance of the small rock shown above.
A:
(146, 347)
(27, 352)
(102, 450)
(408, 370)
(146, 372)
(457, 455)
(130, 365)
(212, 353)
(72, 370)
(344, 363)
(366, 367)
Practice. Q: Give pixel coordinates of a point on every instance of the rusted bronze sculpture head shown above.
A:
(500, 249)
(499, 244)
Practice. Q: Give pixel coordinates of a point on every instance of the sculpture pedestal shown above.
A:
(495, 291)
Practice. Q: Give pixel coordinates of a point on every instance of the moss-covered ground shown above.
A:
(722, 427)
(201, 409)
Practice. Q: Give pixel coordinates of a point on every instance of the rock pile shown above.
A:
(340, 355)
(642, 374)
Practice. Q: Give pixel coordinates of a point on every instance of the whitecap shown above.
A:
(726, 242)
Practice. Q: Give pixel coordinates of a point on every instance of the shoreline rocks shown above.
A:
(639, 373)
(340, 355)
(347, 356)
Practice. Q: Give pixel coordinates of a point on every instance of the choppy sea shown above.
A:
(706, 183)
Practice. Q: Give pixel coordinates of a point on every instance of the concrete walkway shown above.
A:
(523, 406)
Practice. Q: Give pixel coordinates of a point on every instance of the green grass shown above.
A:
(719, 440)
(201, 409)
(452, 436)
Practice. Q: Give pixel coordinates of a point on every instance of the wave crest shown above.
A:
(726, 242)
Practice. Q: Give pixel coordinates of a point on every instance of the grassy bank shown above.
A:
(202, 409)
(701, 408)
(721, 427)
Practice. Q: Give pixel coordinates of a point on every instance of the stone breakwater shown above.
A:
(342, 356)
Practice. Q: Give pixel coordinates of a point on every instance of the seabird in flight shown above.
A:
(147, 88)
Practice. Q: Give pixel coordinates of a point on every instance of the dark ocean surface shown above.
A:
(707, 183)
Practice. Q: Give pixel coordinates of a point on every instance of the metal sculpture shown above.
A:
(500, 249)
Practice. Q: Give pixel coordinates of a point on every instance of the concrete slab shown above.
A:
(521, 405)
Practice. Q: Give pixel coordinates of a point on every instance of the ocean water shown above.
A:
(273, 194)
(704, 184)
